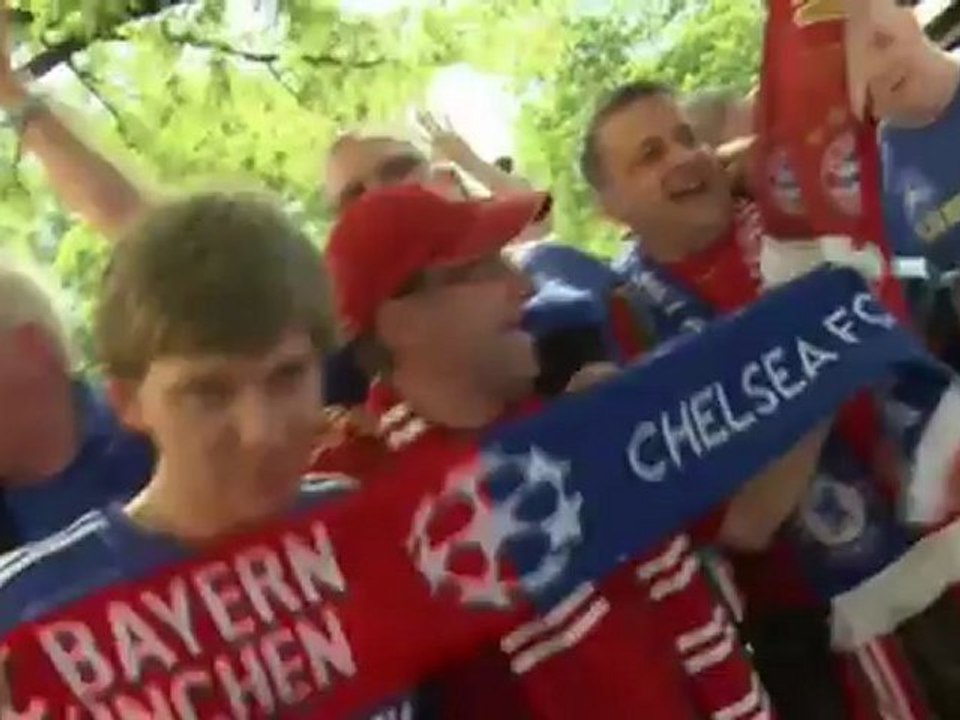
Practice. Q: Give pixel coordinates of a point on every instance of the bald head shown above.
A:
(357, 163)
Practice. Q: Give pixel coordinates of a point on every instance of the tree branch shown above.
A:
(281, 81)
(87, 80)
(40, 65)
(314, 60)
(58, 53)
(61, 52)
(943, 27)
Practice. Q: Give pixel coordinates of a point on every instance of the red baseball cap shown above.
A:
(384, 238)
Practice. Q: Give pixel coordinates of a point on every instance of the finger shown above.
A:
(428, 126)
(425, 135)
(865, 19)
(591, 375)
(418, 124)
(334, 412)
(431, 122)
(857, 75)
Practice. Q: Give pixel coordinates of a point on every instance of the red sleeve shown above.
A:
(480, 689)
(356, 456)
(629, 331)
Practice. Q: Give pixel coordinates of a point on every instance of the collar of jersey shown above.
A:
(397, 424)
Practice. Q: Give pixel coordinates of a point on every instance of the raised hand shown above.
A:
(445, 143)
(736, 157)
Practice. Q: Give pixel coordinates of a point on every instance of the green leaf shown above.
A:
(189, 99)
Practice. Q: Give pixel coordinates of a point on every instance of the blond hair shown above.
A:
(29, 296)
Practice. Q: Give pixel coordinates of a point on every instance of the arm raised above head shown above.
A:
(84, 179)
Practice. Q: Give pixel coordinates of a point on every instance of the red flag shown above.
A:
(816, 168)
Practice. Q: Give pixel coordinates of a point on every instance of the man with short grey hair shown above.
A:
(61, 451)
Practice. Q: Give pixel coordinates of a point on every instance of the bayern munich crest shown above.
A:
(785, 188)
(840, 173)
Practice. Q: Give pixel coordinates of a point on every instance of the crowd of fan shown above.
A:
(445, 319)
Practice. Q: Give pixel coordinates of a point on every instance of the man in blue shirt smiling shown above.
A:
(62, 451)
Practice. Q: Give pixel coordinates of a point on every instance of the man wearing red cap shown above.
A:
(435, 313)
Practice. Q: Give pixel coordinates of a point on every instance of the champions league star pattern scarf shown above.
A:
(319, 616)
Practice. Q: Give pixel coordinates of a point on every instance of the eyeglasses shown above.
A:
(391, 171)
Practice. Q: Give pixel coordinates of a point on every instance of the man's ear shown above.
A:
(124, 397)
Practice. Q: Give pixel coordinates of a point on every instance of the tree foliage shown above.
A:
(693, 45)
(254, 90)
